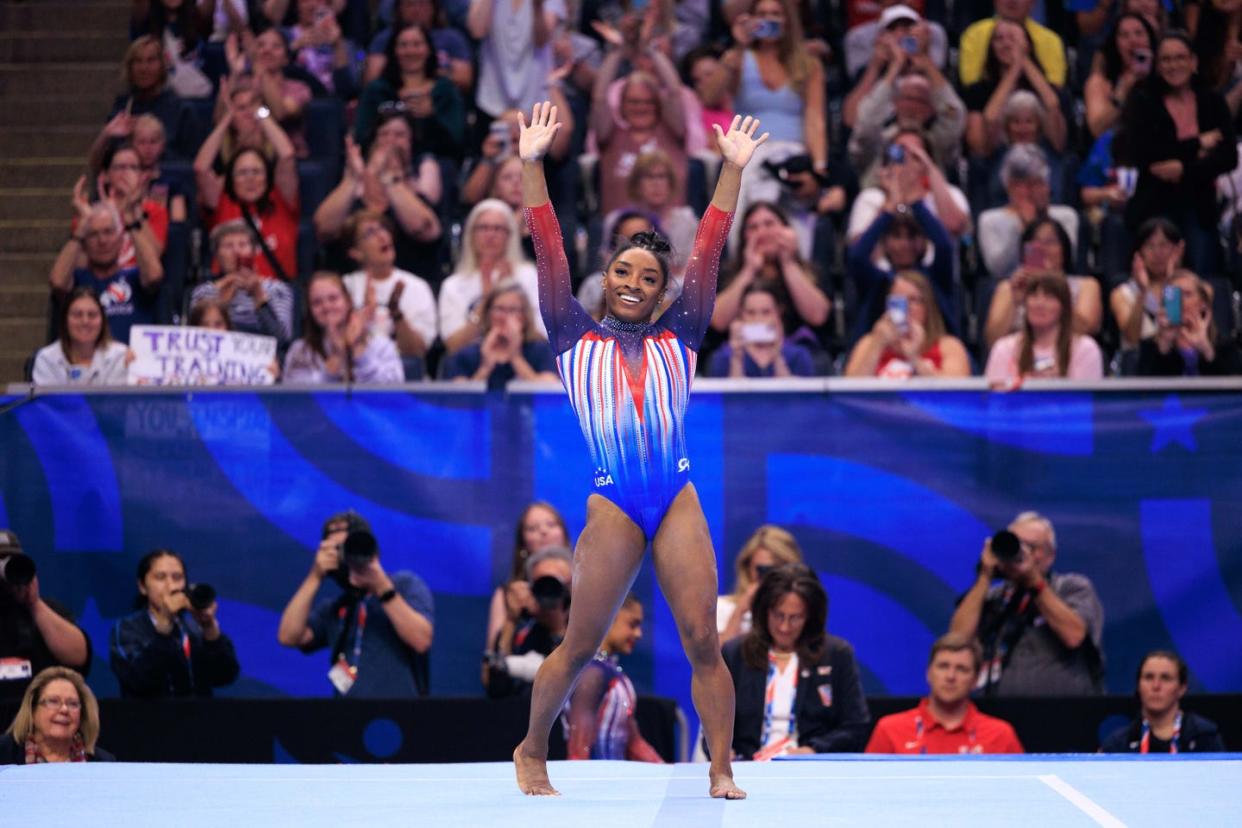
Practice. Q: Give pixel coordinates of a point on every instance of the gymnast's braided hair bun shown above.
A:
(651, 241)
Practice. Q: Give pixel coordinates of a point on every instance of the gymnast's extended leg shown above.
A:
(609, 553)
(686, 567)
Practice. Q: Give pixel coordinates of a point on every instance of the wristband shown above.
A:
(385, 597)
(1040, 587)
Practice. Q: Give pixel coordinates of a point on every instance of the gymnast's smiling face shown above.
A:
(633, 285)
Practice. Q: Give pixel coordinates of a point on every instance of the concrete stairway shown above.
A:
(59, 71)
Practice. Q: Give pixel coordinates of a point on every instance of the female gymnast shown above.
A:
(628, 379)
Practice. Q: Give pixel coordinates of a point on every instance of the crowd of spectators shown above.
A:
(1022, 630)
(948, 190)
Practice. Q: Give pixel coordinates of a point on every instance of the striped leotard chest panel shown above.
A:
(638, 446)
(612, 734)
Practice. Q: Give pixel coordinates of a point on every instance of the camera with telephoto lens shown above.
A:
(795, 165)
(550, 593)
(1006, 547)
(17, 570)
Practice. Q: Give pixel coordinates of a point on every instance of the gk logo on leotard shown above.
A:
(683, 464)
(602, 478)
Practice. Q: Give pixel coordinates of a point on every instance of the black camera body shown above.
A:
(201, 596)
(356, 553)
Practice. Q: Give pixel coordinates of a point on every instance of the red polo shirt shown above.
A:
(917, 731)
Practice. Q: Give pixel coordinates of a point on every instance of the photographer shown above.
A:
(1041, 632)
(35, 632)
(172, 646)
(537, 614)
(379, 626)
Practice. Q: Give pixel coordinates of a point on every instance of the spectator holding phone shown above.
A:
(1135, 303)
(84, 352)
(769, 256)
(909, 340)
(898, 240)
(899, 25)
(915, 100)
(1027, 180)
(769, 547)
(1187, 342)
(1046, 346)
(1045, 249)
(255, 304)
(772, 75)
(1123, 62)
(757, 346)
(1162, 725)
(172, 646)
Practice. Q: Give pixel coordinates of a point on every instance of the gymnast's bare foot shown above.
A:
(532, 774)
(723, 786)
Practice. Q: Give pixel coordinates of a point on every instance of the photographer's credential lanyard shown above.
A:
(352, 667)
(1007, 635)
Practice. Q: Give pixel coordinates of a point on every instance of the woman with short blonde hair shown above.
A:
(58, 721)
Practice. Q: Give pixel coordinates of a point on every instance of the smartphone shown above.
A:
(1033, 256)
(898, 309)
(909, 44)
(767, 29)
(895, 154)
(759, 333)
(1173, 304)
(500, 129)
(763, 569)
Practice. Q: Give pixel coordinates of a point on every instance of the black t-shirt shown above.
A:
(21, 639)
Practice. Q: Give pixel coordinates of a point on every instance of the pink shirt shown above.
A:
(1086, 361)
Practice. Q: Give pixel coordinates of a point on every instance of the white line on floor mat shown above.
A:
(1081, 801)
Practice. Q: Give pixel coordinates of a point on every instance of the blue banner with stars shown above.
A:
(891, 495)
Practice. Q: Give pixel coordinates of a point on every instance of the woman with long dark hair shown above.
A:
(1179, 134)
(169, 647)
(628, 378)
(1046, 346)
(798, 688)
(1124, 62)
(337, 345)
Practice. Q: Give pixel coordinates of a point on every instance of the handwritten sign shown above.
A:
(166, 355)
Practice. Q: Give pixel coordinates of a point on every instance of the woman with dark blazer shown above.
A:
(798, 688)
(1179, 134)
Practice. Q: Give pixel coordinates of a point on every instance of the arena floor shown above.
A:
(925, 791)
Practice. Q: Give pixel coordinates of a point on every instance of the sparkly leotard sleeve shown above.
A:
(633, 425)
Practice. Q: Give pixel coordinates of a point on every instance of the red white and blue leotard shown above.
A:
(634, 425)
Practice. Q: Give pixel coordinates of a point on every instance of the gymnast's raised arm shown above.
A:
(689, 316)
(565, 319)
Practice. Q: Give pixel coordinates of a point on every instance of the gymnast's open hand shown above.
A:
(534, 140)
(739, 143)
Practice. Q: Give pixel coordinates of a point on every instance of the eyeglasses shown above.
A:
(392, 108)
(53, 703)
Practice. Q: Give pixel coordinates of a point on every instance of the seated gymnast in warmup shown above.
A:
(628, 379)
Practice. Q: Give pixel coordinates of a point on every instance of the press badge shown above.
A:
(825, 694)
(14, 669)
(343, 676)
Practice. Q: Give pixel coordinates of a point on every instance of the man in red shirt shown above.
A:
(946, 721)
